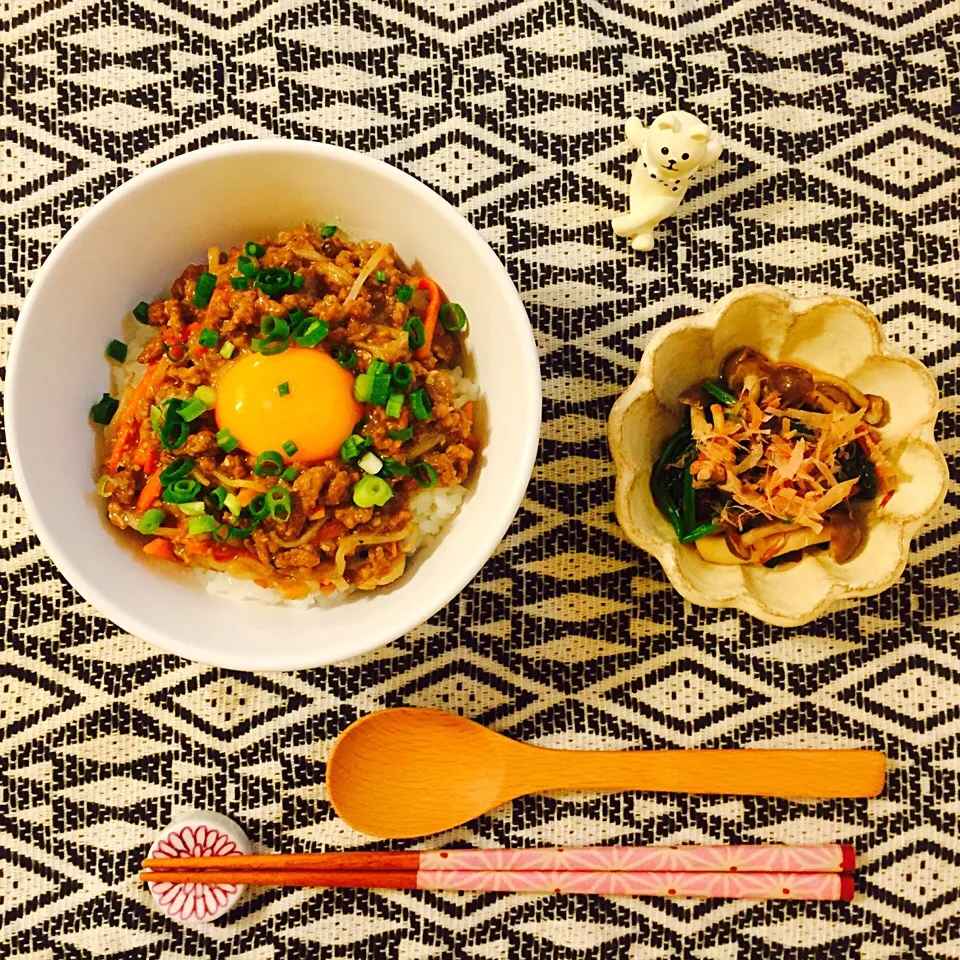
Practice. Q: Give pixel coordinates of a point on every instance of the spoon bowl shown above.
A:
(410, 772)
(414, 768)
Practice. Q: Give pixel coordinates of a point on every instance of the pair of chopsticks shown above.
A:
(756, 872)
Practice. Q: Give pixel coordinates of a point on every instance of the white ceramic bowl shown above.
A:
(830, 333)
(129, 248)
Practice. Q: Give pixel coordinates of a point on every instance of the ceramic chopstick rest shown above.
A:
(198, 834)
(672, 149)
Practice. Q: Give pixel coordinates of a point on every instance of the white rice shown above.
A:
(432, 510)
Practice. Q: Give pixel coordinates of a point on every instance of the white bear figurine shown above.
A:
(674, 147)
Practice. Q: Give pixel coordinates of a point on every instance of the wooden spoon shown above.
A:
(409, 772)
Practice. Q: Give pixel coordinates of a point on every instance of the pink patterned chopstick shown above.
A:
(628, 883)
(766, 858)
(745, 858)
(764, 872)
(734, 886)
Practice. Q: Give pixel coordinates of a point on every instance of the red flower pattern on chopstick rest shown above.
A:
(208, 836)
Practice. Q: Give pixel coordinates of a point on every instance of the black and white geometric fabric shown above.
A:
(841, 167)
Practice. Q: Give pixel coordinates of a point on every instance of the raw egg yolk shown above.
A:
(316, 411)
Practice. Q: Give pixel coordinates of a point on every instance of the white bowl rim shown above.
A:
(529, 407)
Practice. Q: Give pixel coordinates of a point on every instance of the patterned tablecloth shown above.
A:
(840, 172)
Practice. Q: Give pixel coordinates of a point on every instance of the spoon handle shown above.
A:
(770, 773)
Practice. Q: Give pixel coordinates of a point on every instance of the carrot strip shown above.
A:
(160, 548)
(144, 452)
(127, 424)
(151, 490)
(430, 316)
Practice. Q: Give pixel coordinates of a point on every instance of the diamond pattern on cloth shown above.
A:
(840, 171)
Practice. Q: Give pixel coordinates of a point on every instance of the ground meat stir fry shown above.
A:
(176, 478)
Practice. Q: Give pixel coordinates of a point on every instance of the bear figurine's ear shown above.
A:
(712, 152)
(700, 134)
(668, 122)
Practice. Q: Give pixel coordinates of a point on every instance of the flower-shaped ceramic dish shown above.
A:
(830, 333)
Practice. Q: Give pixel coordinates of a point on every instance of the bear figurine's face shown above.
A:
(676, 142)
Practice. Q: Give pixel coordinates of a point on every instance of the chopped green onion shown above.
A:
(452, 317)
(105, 486)
(378, 366)
(278, 503)
(395, 405)
(346, 358)
(271, 346)
(424, 474)
(150, 521)
(274, 280)
(206, 395)
(226, 351)
(231, 503)
(247, 267)
(393, 468)
(197, 526)
(402, 435)
(421, 405)
(283, 389)
(317, 330)
(237, 532)
(363, 388)
(117, 350)
(252, 249)
(289, 447)
(290, 474)
(104, 409)
(216, 498)
(370, 463)
(297, 281)
(140, 312)
(173, 430)
(203, 291)
(381, 388)
(269, 464)
(192, 409)
(271, 326)
(155, 414)
(297, 320)
(404, 293)
(718, 391)
(208, 338)
(402, 376)
(193, 509)
(416, 335)
(177, 470)
(227, 441)
(258, 507)
(381, 276)
(240, 283)
(328, 231)
(371, 492)
(181, 491)
(353, 446)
